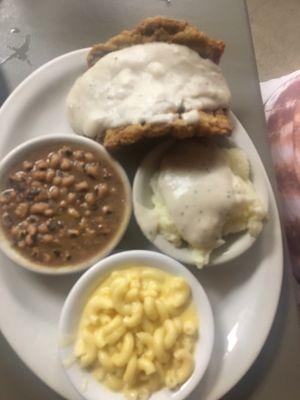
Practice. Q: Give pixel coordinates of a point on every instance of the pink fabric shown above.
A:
(282, 109)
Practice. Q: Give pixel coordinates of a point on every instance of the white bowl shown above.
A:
(71, 313)
(18, 154)
(235, 244)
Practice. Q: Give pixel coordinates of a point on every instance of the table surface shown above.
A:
(275, 27)
(33, 32)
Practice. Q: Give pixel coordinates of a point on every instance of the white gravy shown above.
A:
(153, 82)
(197, 190)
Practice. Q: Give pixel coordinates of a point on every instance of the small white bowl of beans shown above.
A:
(65, 203)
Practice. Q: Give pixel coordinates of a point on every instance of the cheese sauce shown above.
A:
(147, 83)
(198, 191)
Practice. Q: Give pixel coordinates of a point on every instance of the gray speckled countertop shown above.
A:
(276, 31)
(33, 32)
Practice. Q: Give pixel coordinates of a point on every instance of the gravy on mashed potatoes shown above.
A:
(201, 193)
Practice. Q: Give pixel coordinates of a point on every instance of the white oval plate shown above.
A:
(30, 304)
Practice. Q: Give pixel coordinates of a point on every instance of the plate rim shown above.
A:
(272, 203)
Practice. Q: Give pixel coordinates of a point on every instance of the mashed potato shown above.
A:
(209, 181)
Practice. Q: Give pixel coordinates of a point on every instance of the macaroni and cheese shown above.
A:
(138, 332)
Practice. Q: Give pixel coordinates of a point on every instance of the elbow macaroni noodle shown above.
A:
(138, 332)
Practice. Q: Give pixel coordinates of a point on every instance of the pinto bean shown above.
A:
(92, 170)
(73, 212)
(7, 196)
(64, 191)
(43, 228)
(42, 195)
(54, 192)
(63, 204)
(79, 155)
(18, 176)
(71, 197)
(47, 238)
(33, 219)
(82, 186)
(89, 156)
(65, 164)
(55, 160)
(41, 165)
(90, 232)
(50, 175)
(29, 240)
(36, 185)
(49, 212)
(38, 208)
(57, 180)
(84, 205)
(22, 210)
(27, 165)
(106, 209)
(39, 175)
(32, 229)
(68, 181)
(79, 166)
(73, 232)
(83, 222)
(101, 190)
(90, 198)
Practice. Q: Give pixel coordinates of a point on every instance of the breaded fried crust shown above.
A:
(208, 124)
(160, 29)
